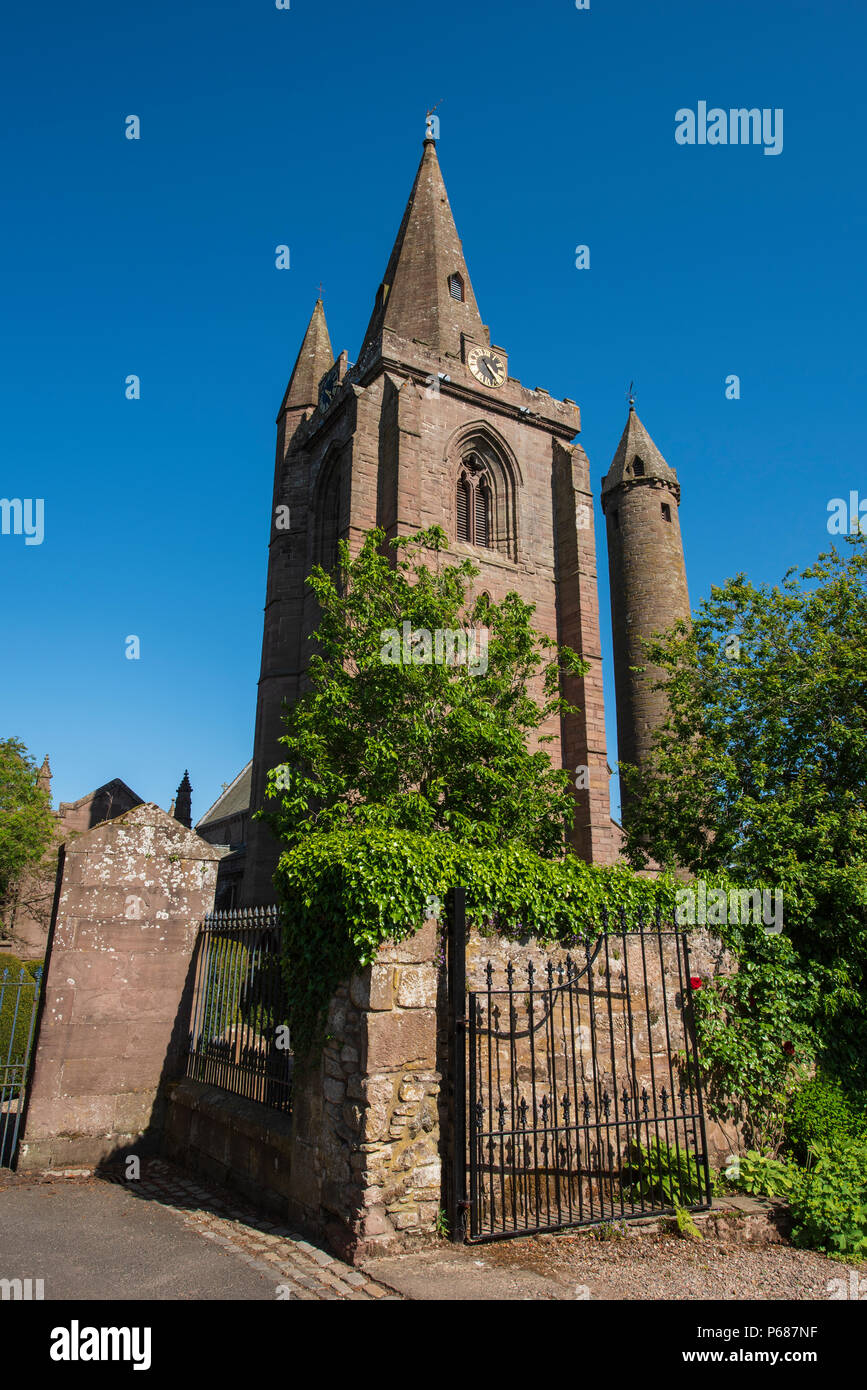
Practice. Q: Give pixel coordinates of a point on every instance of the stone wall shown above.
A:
(133, 891)
(357, 1164)
(366, 1156)
(231, 1141)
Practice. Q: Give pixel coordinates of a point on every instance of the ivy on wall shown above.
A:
(346, 892)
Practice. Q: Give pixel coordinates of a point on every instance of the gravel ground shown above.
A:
(669, 1267)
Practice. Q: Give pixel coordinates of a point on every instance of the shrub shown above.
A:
(821, 1113)
(829, 1206)
(15, 1009)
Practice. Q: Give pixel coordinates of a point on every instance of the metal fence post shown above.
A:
(458, 1003)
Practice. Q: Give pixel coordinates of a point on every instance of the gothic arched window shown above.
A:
(484, 480)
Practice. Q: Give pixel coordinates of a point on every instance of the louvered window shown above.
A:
(482, 514)
(463, 510)
(474, 504)
(456, 287)
(638, 468)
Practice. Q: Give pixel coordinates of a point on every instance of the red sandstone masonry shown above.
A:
(114, 989)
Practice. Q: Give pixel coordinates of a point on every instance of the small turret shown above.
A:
(183, 802)
(43, 778)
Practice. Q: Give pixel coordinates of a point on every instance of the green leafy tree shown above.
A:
(427, 744)
(761, 771)
(26, 822)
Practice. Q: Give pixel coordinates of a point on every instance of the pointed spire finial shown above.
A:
(631, 395)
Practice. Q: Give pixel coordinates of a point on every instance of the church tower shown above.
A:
(428, 426)
(641, 502)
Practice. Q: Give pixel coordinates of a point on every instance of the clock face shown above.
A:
(328, 387)
(486, 366)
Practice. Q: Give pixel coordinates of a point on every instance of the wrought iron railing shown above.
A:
(19, 1000)
(239, 1035)
(577, 1083)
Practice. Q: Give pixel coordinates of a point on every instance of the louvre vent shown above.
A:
(481, 516)
(463, 512)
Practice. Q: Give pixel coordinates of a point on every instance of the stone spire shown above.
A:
(183, 803)
(314, 360)
(426, 291)
(43, 777)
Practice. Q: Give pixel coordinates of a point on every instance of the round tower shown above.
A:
(641, 502)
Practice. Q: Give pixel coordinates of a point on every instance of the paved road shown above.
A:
(164, 1237)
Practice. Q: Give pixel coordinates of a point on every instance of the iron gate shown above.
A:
(576, 1089)
(19, 999)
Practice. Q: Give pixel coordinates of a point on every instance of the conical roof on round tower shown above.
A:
(637, 445)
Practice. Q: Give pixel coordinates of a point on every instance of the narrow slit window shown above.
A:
(615, 521)
(329, 525)
(666, 511)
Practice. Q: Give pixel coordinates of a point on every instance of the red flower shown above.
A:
(695, 981)
(789, 1049)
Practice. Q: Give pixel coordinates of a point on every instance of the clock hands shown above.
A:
(489, 369)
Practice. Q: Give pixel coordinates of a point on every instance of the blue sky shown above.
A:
(260, 127)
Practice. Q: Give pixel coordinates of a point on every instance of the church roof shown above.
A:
(103, 798)
(416, 299)
(636, 443)
(313, 361)
(234, 799)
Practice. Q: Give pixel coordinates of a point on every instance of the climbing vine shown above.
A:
(347, 892)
